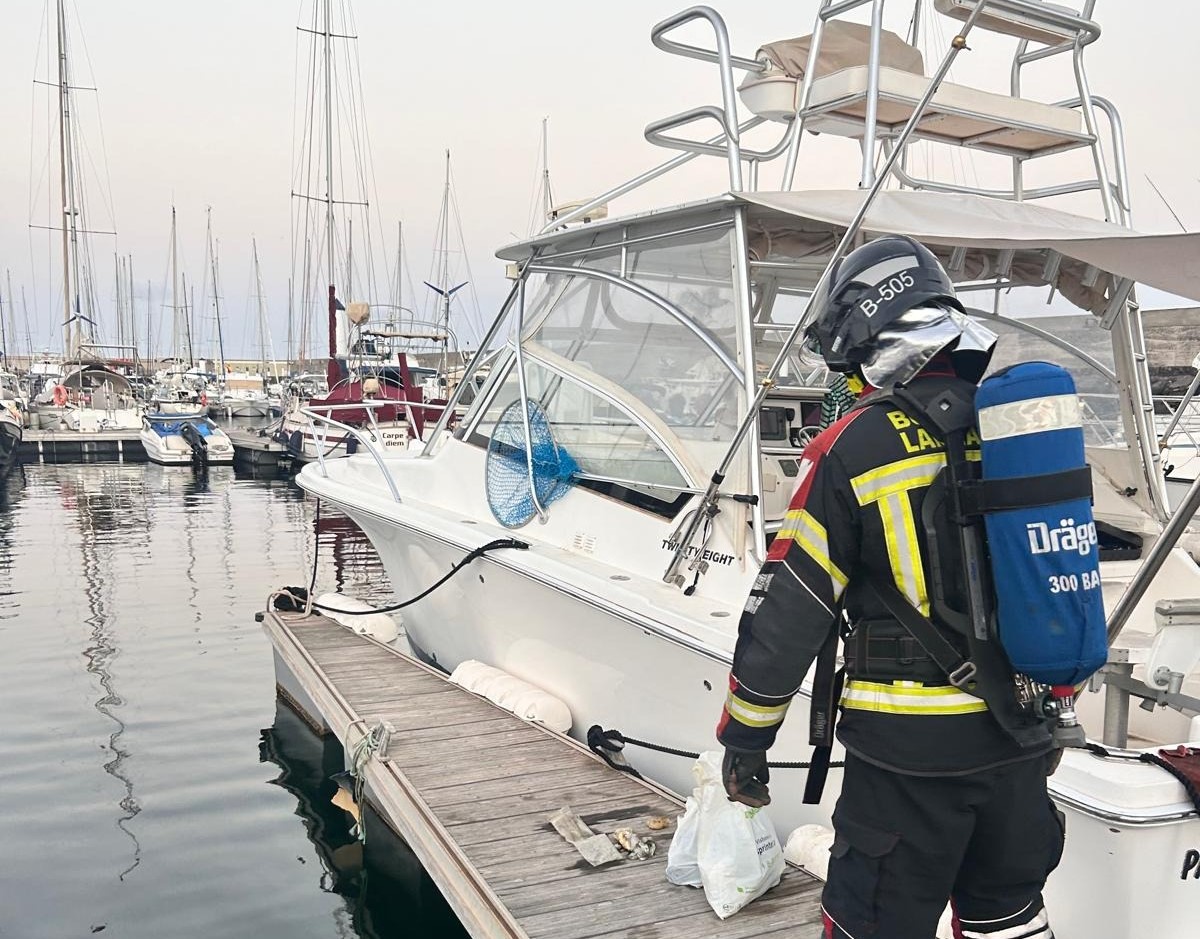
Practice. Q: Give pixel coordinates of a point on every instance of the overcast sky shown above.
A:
(197, 104)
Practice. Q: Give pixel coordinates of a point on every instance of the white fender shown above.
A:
(523, 699)
(379, 626)
(808, 847)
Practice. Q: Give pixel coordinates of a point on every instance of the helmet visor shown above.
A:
(910, 341)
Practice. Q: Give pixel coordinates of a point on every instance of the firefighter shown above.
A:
(944, 791)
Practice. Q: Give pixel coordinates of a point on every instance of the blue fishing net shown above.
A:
(509, 494)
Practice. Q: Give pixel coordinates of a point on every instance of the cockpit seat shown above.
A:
(957, 114)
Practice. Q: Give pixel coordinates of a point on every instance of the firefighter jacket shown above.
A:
(856, 515)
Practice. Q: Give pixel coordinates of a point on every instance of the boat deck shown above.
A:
(73, 446)
(470, 788)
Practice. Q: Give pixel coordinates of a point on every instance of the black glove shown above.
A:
(746, 776)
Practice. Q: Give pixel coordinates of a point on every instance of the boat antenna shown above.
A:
(547, 197)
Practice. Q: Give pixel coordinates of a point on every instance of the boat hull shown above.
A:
(614, 668)
(10, 442)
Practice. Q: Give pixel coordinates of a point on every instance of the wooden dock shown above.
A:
(470, 788)
(72, 446)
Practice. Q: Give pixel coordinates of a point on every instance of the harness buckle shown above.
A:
(962, 675)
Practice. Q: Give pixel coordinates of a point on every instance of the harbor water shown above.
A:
(150, 783)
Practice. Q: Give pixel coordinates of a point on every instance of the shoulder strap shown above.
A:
(959, 671)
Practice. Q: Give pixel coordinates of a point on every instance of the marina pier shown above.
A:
(470, 787)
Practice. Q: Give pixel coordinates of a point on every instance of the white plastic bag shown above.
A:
(736, 851)
(682, 868)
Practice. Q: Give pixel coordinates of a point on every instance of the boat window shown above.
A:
(803, 368)
(1098, 394)
(602, 439)
(677, 364)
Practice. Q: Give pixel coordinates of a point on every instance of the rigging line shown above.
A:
(100, 128)
(531, 216)
(1158, 192)
(478, 323)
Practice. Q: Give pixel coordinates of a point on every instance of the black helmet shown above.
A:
(870, 288)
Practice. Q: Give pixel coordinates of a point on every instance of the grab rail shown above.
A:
(369, 442)
(727, 116)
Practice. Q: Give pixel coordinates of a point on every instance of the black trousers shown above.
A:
(904, 845)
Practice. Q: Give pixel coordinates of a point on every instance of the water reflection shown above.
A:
(387, 893)
(107, 504)
(136, 684)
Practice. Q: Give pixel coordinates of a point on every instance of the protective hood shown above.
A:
(910, 341)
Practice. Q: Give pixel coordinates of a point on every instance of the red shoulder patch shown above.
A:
(813, 453)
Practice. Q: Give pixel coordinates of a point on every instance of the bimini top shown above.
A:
(89, 377)
(1091, 263)
(1167, 262)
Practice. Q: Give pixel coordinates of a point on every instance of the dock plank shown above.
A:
(471, 788)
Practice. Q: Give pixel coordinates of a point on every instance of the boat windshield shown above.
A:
(656, 323)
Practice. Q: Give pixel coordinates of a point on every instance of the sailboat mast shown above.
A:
(262, 334)
(67, 220)
(331, 367)
(25, 314)
(12, 310)
(132, 313)
(3, 332)
(400, 270)
(446, 269)
(149, 329)
(187, 323)
(291, 316)
(120, 308)
(212, 254)
(175, 326)
(329, 143)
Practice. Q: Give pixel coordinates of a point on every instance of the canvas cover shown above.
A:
(796, 224)
(843, 45)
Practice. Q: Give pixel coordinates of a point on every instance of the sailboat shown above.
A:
(366, 403)
(181, 387)
(82, 392)
(658, 351)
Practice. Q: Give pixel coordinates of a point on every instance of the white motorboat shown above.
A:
(178, 439)
(642, 430)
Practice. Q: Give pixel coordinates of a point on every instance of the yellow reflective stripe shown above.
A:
(908, 698)
(896, 477)
(754, 715)
(802, 527)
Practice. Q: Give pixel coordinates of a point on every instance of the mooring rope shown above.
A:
(297, 597)
(1193, 792)
(608, 744)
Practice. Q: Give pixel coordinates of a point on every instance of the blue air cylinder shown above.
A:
(1044, 558)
